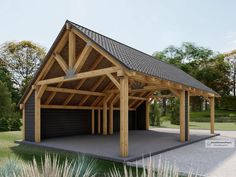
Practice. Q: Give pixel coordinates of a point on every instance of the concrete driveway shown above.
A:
(212, 162)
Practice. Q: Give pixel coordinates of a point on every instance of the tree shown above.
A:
(186, 57)
(216, 75)
(5, 106)
(202, 63)
(5, 77)
(22, 60)
(174, 107)
(9, 119)
(231, 59)
(155, 114)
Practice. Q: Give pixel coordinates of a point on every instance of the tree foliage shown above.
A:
(21, 59)
(231, 59)
(18, 63)
(202, 63)
(5, 77)
(174, 110)
(9, 118)
(155, 114)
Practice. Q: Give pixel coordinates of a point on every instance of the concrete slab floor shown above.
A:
(141, 144)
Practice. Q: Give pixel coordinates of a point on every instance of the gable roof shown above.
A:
(138, 61)
(129, 57)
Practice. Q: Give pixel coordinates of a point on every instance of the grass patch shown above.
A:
(9, 149)
(202, 125)
(224, 120)
(220, 116)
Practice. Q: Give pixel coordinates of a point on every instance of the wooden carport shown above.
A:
(79, 73)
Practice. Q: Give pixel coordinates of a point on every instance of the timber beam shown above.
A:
(78, 107)
(74, 91)
(82, 58)
(79, 76)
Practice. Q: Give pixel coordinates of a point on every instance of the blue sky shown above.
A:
(148, 25)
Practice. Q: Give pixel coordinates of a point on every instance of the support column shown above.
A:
(212, 114)
(147, 115)
(111, 119)
(104, 118)
(124, 116)
(92, 121)
(182, 116)
(99, 121)
(37, 117)
(186, 115)
(23, 122)
(22, 108)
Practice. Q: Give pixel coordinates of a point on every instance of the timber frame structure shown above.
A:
(87, 71)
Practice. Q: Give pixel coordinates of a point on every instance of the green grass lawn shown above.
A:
(9, 149)
(202, 125)
(220, 116)
(201, 120)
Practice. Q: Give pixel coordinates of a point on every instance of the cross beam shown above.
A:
(83, 75)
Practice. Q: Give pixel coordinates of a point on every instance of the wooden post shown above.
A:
(188, 116)
(111, 119)
(124, 116)
(92, 121)
(72, 53)
(99, 121)
(186, 111)
(147, 115)
(22, 107)
(37, 121)
(104, 118)
(212, 114)
(182, 116)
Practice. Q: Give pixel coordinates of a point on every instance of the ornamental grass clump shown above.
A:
(161, 169)
(49, 167)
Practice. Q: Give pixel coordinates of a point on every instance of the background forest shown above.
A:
(20, 60)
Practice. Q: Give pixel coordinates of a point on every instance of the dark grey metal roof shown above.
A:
(138, 61)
